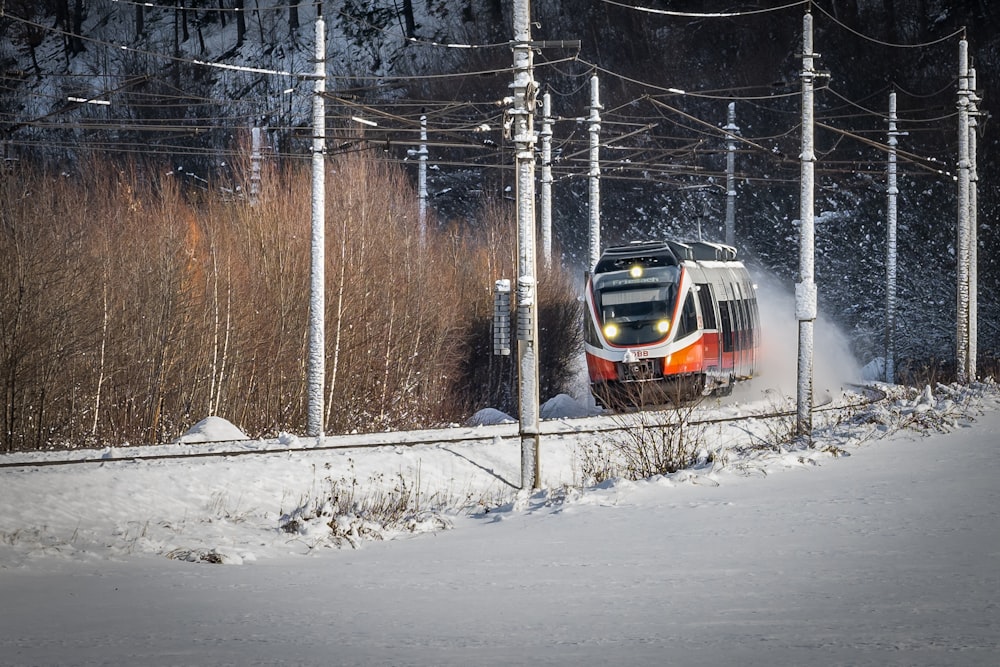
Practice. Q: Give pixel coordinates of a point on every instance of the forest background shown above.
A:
(147, 282)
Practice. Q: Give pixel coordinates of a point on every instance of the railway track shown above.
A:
(562, 427)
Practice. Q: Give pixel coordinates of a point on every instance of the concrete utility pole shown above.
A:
(805, 288)
(962, 254)
(256, 145)
(545, 198)
(973, 229)
(595, 171)
(522, 127)
(890, 249)
(422, 182)
(731, 129)
(317, 288)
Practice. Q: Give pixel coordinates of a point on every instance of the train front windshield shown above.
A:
(635, 307)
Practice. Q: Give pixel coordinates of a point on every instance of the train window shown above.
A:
(635, 305)
(755, 322)
(631, 296)
(689, 317)
(590, 333)
(705, 300)
(726, 321)
(739, 318)
(635, 311)
(748, 324)
(748, 335)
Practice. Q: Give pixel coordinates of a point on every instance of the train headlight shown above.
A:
(611, 330)
(663, 326)
(636, 271)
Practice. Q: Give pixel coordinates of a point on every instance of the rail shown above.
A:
(563, 426)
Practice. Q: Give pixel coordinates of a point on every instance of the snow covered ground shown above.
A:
(887, 556)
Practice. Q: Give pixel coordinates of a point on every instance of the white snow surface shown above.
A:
(876, 546)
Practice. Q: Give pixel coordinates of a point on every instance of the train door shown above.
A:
(742, 329)
(747, 339)
(724, 301)
(711, 343)
(755, 326)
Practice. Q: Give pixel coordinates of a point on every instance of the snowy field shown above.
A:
(878, 546)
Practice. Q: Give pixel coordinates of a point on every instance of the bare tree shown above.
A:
(241, 22)
(143, 309)
(411, 25)
(293, 17)
(140, 21)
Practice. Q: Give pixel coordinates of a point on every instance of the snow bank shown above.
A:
(212, 429)
(489, 417)
(564, 406)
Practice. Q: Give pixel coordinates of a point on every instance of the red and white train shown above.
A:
(669, 321)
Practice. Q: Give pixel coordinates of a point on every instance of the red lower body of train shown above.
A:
(669, 321)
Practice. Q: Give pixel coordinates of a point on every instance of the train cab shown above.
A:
(669, 321)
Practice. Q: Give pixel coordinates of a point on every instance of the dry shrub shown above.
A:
(350, 513)
(923, 372)
(646, 445)
(132, 308)
(45, 309)
(491, 251)
(394, 321)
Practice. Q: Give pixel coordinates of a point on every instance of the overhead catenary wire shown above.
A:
(448, 75)
(706, 15)
(867, 111)
(768, 10)
(263, 70)
(917, 160)
(219, 9)
(894, 45)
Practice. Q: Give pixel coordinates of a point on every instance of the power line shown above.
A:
(261, 70)
(960, 31)
(706, 15)
(917, 160)
(679, 92)
(215, 10)
(450, 114)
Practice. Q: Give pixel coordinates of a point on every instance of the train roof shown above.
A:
(704, 251)
(662, 253)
